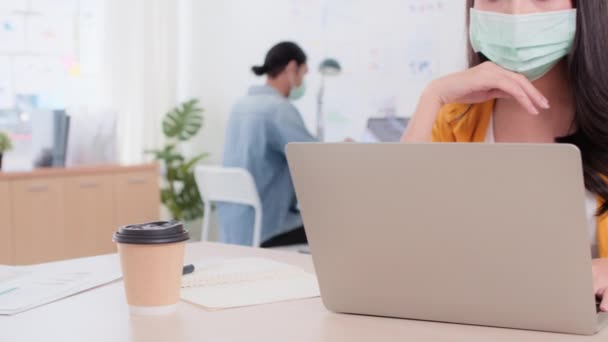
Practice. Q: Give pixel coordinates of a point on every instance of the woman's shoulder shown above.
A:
(460, 122)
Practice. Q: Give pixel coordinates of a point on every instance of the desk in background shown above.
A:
(55, 214)
(102, 315)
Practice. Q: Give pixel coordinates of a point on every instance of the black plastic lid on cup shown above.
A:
(151, 233)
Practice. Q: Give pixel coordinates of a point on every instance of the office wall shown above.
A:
(390, 49)
(201, 70)
(139, 71)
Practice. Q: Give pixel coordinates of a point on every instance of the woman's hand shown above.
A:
(488, 81)
(600, 281)
(479, 84)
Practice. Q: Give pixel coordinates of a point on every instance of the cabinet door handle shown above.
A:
(38, 188)
(135, 181)
(89, 185)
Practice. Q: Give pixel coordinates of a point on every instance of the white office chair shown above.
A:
(233, 185)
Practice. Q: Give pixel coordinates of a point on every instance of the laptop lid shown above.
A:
(491, 235)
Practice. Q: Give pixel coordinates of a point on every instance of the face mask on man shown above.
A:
(529, 44)
(296, 92)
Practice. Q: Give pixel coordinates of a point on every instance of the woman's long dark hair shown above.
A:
(588, 74)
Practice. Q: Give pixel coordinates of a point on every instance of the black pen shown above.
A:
(188, 269)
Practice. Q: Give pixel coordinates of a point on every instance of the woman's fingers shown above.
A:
(535, 95)
(599, 269)
(604, 304)
(507, 85)
(498, 94)
(517, 86)
(484, 82)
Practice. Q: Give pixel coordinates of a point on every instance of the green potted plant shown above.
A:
(5, 145)
(179, 192)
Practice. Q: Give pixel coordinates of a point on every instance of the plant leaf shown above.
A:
(5, 143)
(183, 122)
(192, 204)
(169, 200)
(181, 195)
(192, 162)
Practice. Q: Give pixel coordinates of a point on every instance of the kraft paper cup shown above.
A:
(152, 258)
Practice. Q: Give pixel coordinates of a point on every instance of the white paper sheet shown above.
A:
(7, 93)
(13, 5)
(10, 272)
(36, 74)
(12, 32)
(25, 288)
(245, 282)
(54, 6)
(52, 33)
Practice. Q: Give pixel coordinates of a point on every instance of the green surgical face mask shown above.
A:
(296, 93)
(529, 44)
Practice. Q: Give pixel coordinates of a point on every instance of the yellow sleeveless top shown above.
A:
(469, 123)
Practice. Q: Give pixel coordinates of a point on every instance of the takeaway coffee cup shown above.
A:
(152, 257)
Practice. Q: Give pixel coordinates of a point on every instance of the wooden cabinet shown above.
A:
(137, 198)
(6, 233)
(57, 214)
(89, 202)
(38, 219)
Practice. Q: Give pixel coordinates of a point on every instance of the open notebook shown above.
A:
(248, 281)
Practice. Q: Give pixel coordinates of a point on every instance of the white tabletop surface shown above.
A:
(102, 315)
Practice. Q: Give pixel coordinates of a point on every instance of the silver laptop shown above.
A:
(492, 235)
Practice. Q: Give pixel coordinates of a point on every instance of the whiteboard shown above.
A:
(389, 51)
(50, 49)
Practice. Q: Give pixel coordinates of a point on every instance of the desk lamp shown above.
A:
(328, 67)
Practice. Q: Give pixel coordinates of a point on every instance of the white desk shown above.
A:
(102, 315)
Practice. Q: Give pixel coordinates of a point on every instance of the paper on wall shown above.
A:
(55, 6)
(36, 74)
(13, 5)
(51, 33)
(12, 32)
(7, 93)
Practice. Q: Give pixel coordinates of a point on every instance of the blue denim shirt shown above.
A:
(260, 125)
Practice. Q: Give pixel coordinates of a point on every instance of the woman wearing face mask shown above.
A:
(261, 124)
(537, 75)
